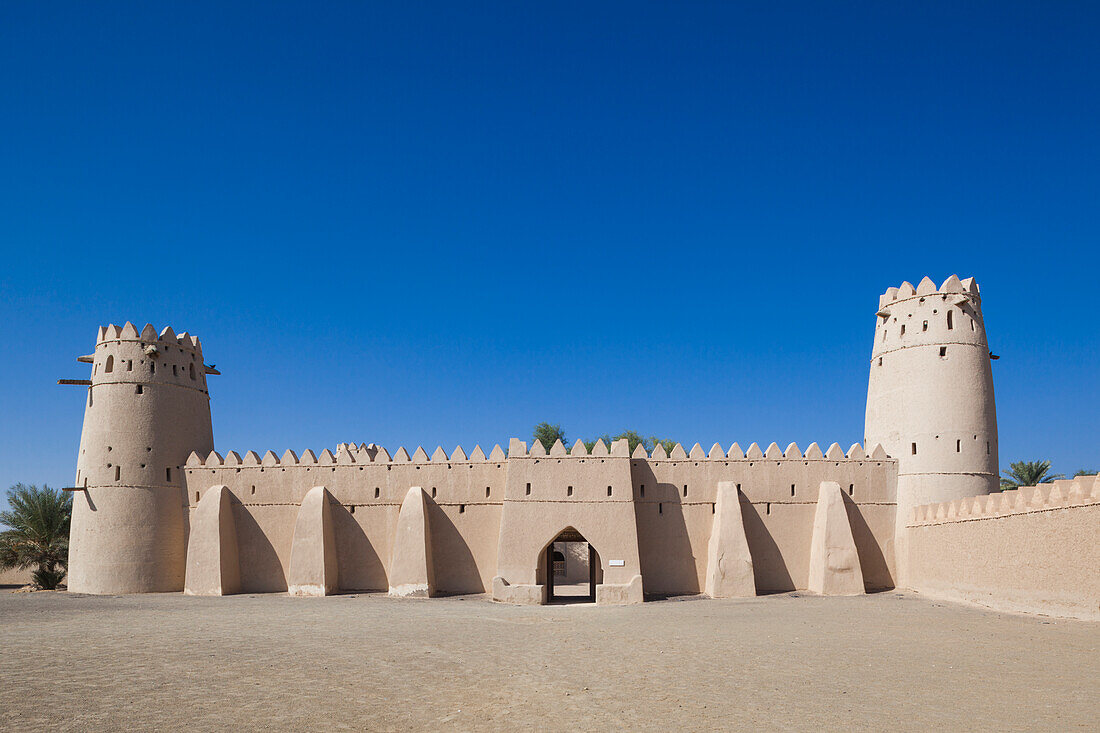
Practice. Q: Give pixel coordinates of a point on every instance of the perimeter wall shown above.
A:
(480, 506)
(1035, 549)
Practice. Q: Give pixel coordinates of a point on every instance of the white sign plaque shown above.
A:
(616, 563)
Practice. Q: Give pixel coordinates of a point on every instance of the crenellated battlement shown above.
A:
(1055, 495)
(956, 290)
(754, 453)
(348, 454)
(129, 332)
(924, 316)
(126, 356)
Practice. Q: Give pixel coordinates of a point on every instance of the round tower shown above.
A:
(930, 395)
(147, 409)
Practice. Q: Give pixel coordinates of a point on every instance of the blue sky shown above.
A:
(418, 224)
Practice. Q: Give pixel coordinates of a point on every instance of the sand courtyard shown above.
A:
(782, 662)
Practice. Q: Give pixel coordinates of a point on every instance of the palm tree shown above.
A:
(39, 533)
(1027, 473)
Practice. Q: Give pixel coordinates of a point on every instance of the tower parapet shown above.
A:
(930, 394)
(147, 409)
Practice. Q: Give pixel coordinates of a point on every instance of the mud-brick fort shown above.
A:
(157, 509)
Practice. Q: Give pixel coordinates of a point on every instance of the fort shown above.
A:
(157, 509)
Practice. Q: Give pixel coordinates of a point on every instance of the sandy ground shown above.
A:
(788, 662)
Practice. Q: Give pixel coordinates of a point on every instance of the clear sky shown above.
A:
(412, 223)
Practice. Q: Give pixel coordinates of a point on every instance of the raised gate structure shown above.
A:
(158, 509)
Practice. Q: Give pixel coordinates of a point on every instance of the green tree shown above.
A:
(38, 534)
(667, 443)
(548, 434)
(634, 439)
(1086, 472)
(1027, 473)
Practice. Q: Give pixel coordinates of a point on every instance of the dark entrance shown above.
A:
(563, 555)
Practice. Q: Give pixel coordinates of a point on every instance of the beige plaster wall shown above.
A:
(1035, 550)
(674, 529)
(491, 515)
(464, 513)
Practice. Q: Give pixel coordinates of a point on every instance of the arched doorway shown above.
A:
(572, 568)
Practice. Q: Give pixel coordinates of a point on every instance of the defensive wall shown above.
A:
(1034, 549)
(646, 515)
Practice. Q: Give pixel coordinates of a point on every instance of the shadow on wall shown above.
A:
(455, 568)
(360, 567)
(667, 562)
(876, 571)
(769, 567)
(186, 518)
(264, 572)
